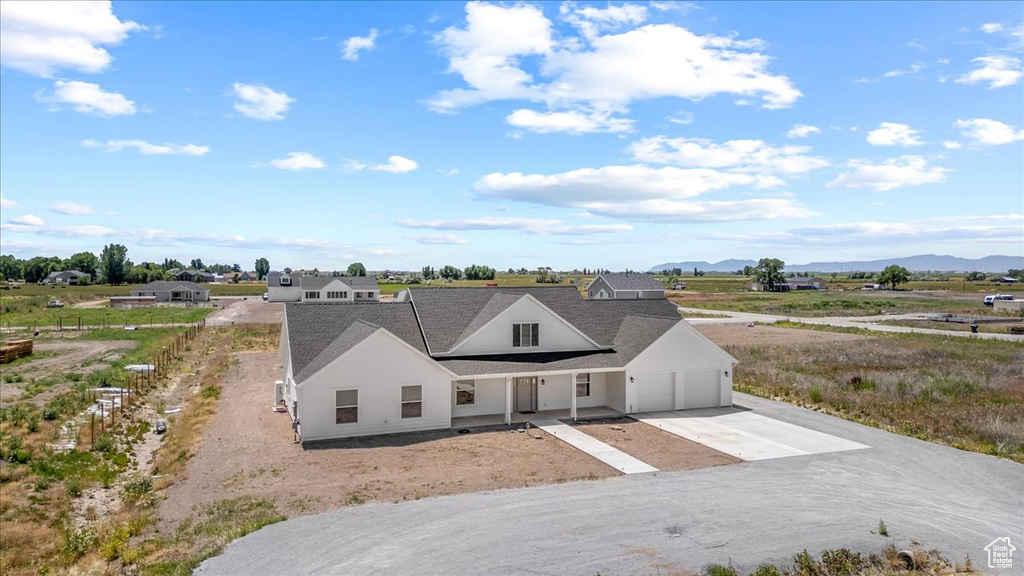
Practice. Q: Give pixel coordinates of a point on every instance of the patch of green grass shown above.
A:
(206, 533)
(69, 318)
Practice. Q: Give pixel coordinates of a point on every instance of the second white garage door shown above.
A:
(701, 389)
(656, 391)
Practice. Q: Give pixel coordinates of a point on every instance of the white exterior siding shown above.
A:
(490, 398)
(377, 367)
(615, 390)
(495, 337)
(284, 293)
(679, 350)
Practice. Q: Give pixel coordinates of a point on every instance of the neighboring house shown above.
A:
(807, 284)
(1008, 280)
(297, 288)
(248, 277)
(66, 277)
(625, 286)
(758, 286)
(282, 287)
(194, 276)
(173, 291)
(438, 354)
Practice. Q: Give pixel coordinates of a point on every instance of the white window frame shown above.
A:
(346, 406)
(337, 295)
(469, 388)
(285, 281)
(417, 401)
(583, 378)
(312, 295)
(517, 335)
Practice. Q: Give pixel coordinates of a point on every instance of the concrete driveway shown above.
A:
(749, 513)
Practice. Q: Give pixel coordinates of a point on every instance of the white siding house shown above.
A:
(439, 355)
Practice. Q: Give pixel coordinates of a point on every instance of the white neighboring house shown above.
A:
(66, 277)
(173, 291)
(295, 287)
(436, 355)
(628, 286)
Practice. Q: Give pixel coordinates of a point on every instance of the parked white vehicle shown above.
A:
(993, 297)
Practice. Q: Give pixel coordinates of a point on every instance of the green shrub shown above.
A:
(767, 570)
(134, 490)
(882, 529)
(76, 544)
(74, 487)
(805, 565)
(210, 392)
(815, 393)
(104, 443)
(719, 570)
(841, 562)
(115, 542)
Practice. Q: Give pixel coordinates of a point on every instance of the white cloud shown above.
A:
(597, 72)
(740, 155)
(438, 239)
(999, 71)
(395, 165)
(147, 148)
(982, 218)
(296, 161)
(42, 37)
(682, 117)
(7, 203)
(893, 134)
(802, 131)
(72, 208)
(351, 48)
(888, 232)
(28, 220)
(540, 226)
(697, 211)
(572, 122)
(989, 132)
(675, 6)
(991, 28)
(87, 98)
(591, 21)
(260, 102)
(890, 174)
(952, 145)
(914, 69)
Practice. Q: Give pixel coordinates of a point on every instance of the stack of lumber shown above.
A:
(15, 349)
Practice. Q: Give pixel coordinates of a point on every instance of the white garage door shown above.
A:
(701, 389)
(656, 391)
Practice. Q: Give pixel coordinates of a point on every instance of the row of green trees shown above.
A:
(112, 267)
(471, 272)
(769, 273)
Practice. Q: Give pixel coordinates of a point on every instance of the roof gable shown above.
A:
(494, 333)
(628, 281)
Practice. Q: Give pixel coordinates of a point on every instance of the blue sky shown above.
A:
(565, 135)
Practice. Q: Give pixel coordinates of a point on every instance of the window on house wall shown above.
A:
(465, 392)
(285, 281)
(346, 406)
(312, 295)
(412, 401)
(337, 295)
(583, 385)
(525, 335)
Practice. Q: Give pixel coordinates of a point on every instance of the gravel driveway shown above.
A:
(748, 513)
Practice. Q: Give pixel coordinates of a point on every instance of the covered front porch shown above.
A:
(517, 398)
(520, 418)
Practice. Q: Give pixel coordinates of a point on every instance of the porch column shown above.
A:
(572, 391)
(508, 400)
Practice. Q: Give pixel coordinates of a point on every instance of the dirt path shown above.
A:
(656, 447)
(760, 335)
(251, 311)
(248, 449)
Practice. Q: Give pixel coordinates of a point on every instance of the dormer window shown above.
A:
(286, 281)
(525, 335)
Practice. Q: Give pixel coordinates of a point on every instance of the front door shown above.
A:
(525, 395)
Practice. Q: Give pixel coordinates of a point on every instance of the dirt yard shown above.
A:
(740, 335)
(250, 311)
(656, 447)
(248, 450)
(59, 356)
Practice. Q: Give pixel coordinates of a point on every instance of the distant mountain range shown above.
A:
(920, 263)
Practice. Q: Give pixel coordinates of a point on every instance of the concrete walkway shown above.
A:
(745, 434)
(863, 322)
(609, 455)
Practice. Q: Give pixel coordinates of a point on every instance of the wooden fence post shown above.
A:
(92, 430)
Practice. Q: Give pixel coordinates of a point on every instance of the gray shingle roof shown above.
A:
(626, 281)
(319, 333)
(170, 285)
(274, 279)
(446, 314)
(354, 282)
